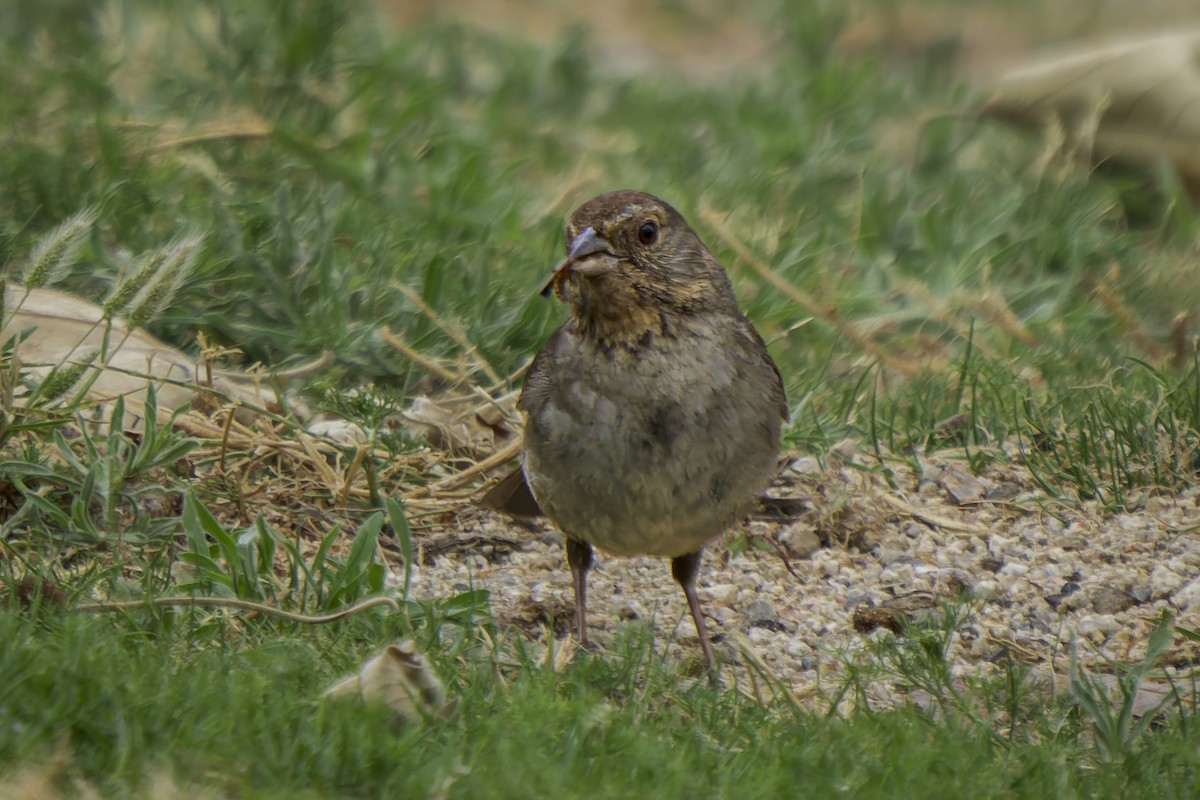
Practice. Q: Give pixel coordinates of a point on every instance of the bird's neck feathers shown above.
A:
(616, 315)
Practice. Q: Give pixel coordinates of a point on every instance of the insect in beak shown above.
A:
(587, 243)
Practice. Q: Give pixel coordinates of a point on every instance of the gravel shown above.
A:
(1038, 572)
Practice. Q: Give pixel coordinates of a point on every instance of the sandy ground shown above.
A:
(1032, 577)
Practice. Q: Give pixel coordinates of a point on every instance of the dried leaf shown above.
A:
(66, 328)
(961, 486)
(399, 677)
(337, 430)
(462, 426)
(893, 613)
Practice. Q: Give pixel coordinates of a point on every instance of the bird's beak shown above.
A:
(587, 243)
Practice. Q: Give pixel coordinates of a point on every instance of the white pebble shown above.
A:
(759, 635)
(1163, 581)
(1012, 569)
(1104, 624)
(724, 593)
(797, 647)
(722, 614)
(1187, 597)
(986, 589)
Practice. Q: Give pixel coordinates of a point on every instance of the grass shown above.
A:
(232, 715)
(331, 178)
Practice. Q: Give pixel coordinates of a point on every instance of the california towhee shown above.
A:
(653, 413)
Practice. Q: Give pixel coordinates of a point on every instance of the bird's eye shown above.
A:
(648, 233)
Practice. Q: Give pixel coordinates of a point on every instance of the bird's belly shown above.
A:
(664, 513)
(659, 474)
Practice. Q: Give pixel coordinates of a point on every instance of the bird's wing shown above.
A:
(754, 351)
(512, 496)
(537, 387)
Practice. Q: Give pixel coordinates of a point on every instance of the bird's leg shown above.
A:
(579, 557)
(684, 569)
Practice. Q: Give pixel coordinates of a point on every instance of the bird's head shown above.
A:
(632, 258)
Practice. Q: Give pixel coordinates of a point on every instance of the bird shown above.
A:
(653, 413)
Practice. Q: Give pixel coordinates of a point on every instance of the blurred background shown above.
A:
(708, 39)
(370, 173)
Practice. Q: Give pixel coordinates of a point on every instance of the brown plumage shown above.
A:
(653, 414)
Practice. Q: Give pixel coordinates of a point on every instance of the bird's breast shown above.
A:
(653, 450)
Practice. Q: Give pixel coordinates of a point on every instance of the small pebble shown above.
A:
(805, 465)
(986, 589)
(761, 611)
(1011, 569)
(1055, 600)
(724, 593)
(1187, 597)
(888, 552)
(759, 636)
(1163, 581)
(799, 541)
(630, 608)
(722, 614)
(1099, 624)
(1109, 599)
